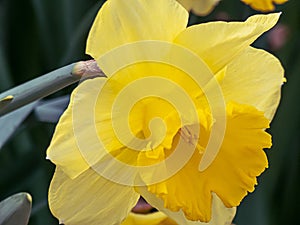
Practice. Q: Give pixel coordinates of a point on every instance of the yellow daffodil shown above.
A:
(157, 218)
(199, 7)
(180, 118)
(263, 5)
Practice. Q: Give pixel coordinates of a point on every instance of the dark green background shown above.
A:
(38, 36)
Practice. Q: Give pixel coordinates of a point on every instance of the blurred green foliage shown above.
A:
(37, 36)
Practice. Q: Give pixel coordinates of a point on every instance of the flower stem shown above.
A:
(47, 84)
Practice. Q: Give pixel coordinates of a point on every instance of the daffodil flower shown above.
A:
(199, 7)
(263, 5)
(180, 118)
(156, 218)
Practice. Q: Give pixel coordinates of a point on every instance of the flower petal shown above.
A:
(75, 125)
(255, 78)
(231, 175)
(156, 218)
(218, 43)
(89, 199)
(220, 214)
(199, 7)
(122, 22)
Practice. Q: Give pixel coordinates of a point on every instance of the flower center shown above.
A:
(190, 133)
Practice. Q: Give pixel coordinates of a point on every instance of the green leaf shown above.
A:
(9, 123)
(15, 210)
(49, 111)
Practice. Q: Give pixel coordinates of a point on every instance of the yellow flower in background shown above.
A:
(109, 146)
(263, 5)
(156, 218)
(199, 7)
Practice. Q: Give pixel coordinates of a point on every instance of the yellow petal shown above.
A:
(218, 43)
(122, 22)
(199, 7)
(231, 175)
(279, 1)
(254, 77)
(89, 199)
(220, 214)
(156, 218)
(75, 132)
(263, 5)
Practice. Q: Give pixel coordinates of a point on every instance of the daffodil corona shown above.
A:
(263, 5)
(180, 118)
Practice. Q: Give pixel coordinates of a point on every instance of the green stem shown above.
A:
(46, 84)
